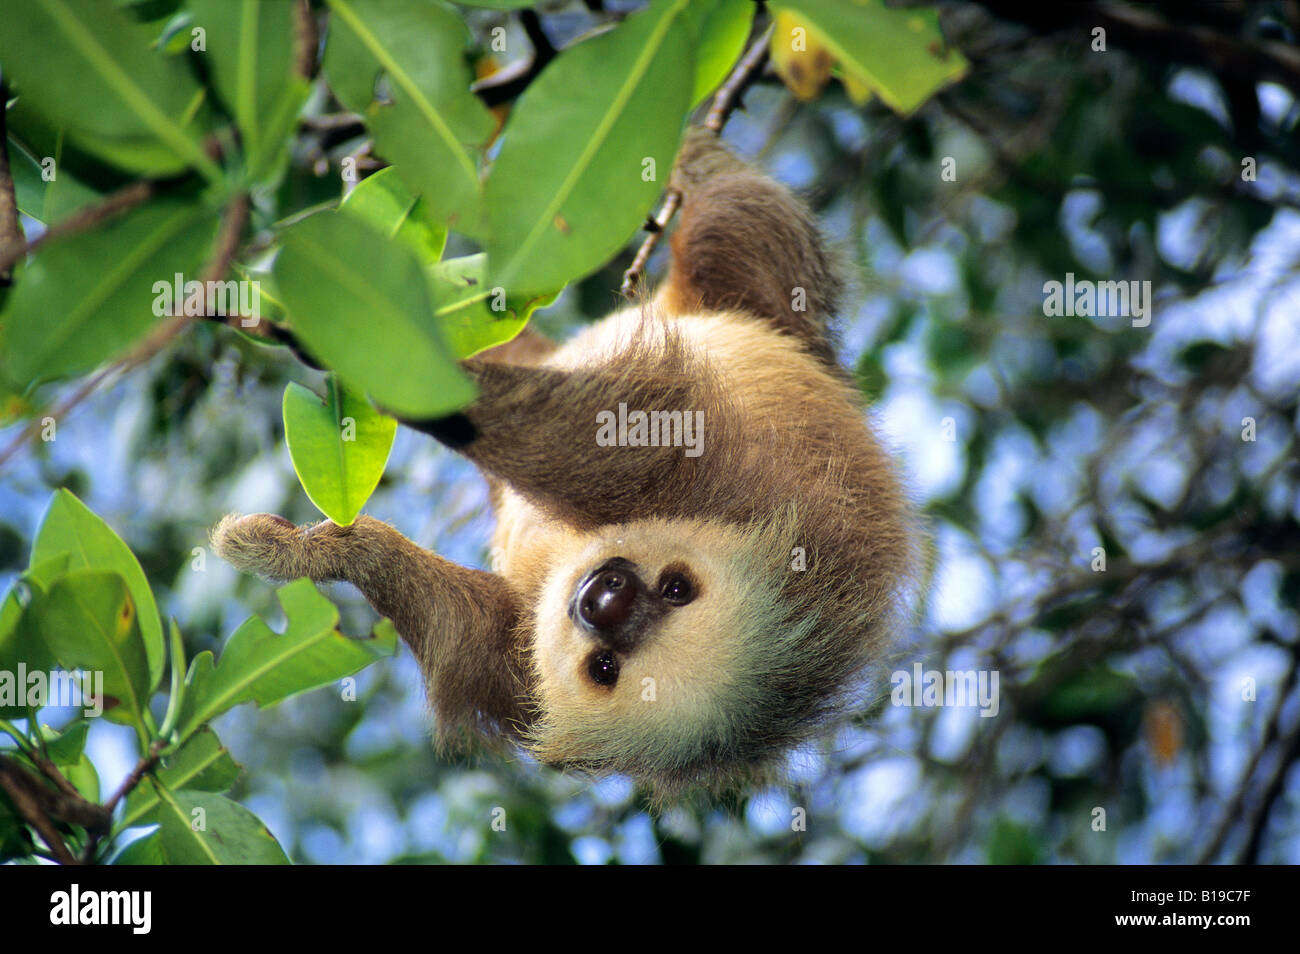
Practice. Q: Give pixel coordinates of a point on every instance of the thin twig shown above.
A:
(1288, 754)
(84, 219)
(233, 222)
(1232, 810)
(142, 767)
(151, 345)
(655, 228)
(29, 799)
(306, 39)
(728, 96)
(725, 102)
(1148, 32)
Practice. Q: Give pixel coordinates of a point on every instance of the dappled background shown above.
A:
(1161, 690)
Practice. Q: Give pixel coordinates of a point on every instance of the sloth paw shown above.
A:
(263, 544)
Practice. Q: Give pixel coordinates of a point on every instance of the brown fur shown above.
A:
(767, 655)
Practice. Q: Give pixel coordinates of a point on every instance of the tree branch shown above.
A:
(233, 222)
(306, 39)
(33, 802)
(1146, 31)
(84, 219)
(725, 101)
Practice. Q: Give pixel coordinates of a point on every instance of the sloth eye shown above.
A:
(676, 589)
(603, 668)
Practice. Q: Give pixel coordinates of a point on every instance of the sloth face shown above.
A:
(617, 610)
(638, 645)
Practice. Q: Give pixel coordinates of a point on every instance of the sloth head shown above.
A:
(681, 652)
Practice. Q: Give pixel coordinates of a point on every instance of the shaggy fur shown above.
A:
(766, 654)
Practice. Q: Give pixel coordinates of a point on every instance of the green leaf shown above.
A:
(202, 764)
(89, 70)
(67, 751)
(21, 644)
(46, 202)
(201, 828)
(88, 620)
(87, 297)
(430, 127)
(65, 748)
(567, 190)
(176, 659)
(384, 202)
(70, 528)
(265, 667)
(251, 54)
(360, 303)
(900, 55)
(720, 28)
(339, 447)
(467, 305)
(143, 851)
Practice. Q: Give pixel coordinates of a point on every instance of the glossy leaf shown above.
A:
(468, 307)
(46, 201)
(201, 764)
(898, 54)
(384, 202)
(360, 303)
(20, 641)
(202, 828)
(262, 666)
(90, 70)
(339, 446)
(67, 751)
(143, 851)
(176, 665)
(720, 28)
(251, 55)
(71, 529)
(430, 126)
(88, 620)
(572, 182)
(88, 297)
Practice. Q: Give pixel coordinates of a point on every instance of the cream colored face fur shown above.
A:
(679, 680)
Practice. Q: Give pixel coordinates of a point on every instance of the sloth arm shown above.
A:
(745, 243)
(462, 624)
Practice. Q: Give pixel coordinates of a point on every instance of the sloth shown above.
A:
(702, 548)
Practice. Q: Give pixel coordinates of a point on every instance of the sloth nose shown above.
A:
(606, 599)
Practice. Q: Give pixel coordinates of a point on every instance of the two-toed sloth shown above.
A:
(682, 614)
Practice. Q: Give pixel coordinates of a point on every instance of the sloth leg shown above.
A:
(460, 623)
(745, 242)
